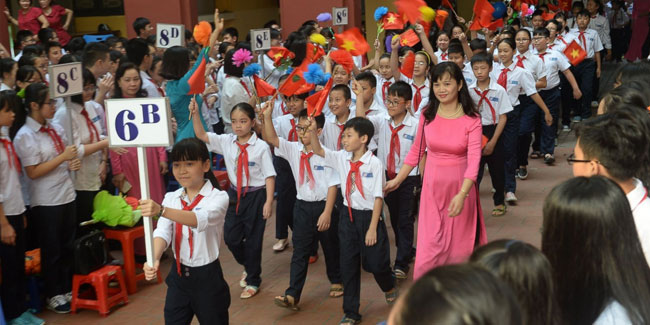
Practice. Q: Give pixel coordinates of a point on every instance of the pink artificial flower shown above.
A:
(241, 56)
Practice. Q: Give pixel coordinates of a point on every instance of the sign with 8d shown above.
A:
(339, 16)
(168, 35)
(139, 122)
(65, 79)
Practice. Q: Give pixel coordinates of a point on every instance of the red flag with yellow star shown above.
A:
(408, 65)
(408, 38)
(316, 101)
(393, 21)
(262, 87)
(410, 9)
(441, 17)
(278, 53)
(352, 41)
(575, 53)
(294, 82)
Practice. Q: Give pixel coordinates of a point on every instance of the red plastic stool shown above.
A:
(106, 297)
(126, 237)
(222, 177)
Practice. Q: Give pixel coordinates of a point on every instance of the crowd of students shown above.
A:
(414, 138)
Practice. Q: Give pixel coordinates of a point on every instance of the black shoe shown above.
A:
(549, 159)
(522, 173)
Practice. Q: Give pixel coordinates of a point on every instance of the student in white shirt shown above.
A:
(396, 132)
(141, 54)
(584, 72)
(362, 233)
(314, 220)
(47, 156)
(279, 106)
(252, 184)
(594, 212)
(493, 104)
(191, 221)
(342, 69)
(619, 21)
(384, 76)
(8, 70)
(12, 224)
(457, 55)
(339, 103)
(442, 43)
(600, 24)
(366, 97)
(91, 148)
(235, 90)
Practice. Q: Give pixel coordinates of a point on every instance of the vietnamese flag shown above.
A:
(483, 12)
(441, 17)
(393, 21)
(548, 16)
(312, 54)
(565, 5)
(408, 65)
(316, 101)
(352, 41)
(410, 9)
(262, 87)
(197, 79)
(408, 38)
(495, 24)
(294, 82)
(278, 53)
(447, 4)
(575, 53)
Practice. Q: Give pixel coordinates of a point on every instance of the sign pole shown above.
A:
(144, 194)
(68, 128)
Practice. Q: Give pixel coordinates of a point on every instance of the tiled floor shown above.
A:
(146, 306)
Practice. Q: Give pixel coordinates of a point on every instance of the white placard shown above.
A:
(65, 79)
(260, 39)
(339, 16)
(139, 122)
(168, 35)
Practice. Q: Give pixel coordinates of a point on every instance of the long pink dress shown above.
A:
(639, 29)
(128, 164)
(453, 154)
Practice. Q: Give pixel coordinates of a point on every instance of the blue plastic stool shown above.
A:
(96, 38)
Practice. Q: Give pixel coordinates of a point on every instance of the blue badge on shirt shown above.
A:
(366, 174)
(553, 59)
(408, 137)
(494, 99)
(316, 167)
(95, 119)
(251, 163)
(514, 82)
(197, 209)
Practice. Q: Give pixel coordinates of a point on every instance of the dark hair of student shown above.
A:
(302, 96)
(115, 56)
(600, 6)
(275, 34)
(481, 57)
(76, 46)
(347, 93)
(404, 50)
(69, 58)
(223, 47)
(462, 27)
(88, 79)
(297, 43)
(634, 71)
(136, 50)
(232, 31)
(49, 45)
(193, 149)
(35, 49)
(229, 66)
(151, 39)
(455, 48)
(515, 22)
(362, 126)
(35, 93)
(310, 22)
(94, 52)
(45, 34)
(320, 119)
(558, 25)
(529, 274)
(401, 89)
(16, 105)
(629, 95)
(245, 108)
(21, 35)
(523, 30)
(464, 99)
(307, 30)
(537, 12)
(139, 24)
(367, 76)
(176, 63)
(618, 140)
(384, 56)
(6, 65)
(121, 70)
(29, 59)
(583, 13)
(154, 61)
(509, 41)
(542, 31)
(590, 239)
(270, 23)
(112, 41)
(25, 73)
(458, 294)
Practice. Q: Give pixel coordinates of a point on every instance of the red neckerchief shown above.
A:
(94, 134)
(338, 142)
(645, 196)
(179, 233)
(443, 56)
(541, 56)
(11, 154)
(242, 167)
(354, 169)
(520, 61)
(293, 134)
(484, 98)
(394, 149)
(304, 164)
(417, 99)
(583, 40)
(503, 78)
(384, 89)
(58, 144)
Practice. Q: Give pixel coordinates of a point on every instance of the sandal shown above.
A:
(242, 280)
(284, 302)
(349, 321)
(499, 210)
(400, 274)
(536, 155)
(249, 292)
(336, 290)
(391, 296)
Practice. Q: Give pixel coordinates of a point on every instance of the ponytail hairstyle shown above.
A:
(464, 99)
(16, 105)
(194, 149)
(34, 93)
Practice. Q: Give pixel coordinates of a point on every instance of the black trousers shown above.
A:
(585, 74)
(243, 232)
(56, 230)
(496, 164)
(85, 210)
(567, 99)
(355, 254)
(13, 287)
(285, 187)
(199, 291)
(400, 203)
(305, 237)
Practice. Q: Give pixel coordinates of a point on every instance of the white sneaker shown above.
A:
(242, 281)
(68, 296)
(280, 245)
(511, 198)
(58, 304)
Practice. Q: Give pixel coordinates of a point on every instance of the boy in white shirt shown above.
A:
(340, 99)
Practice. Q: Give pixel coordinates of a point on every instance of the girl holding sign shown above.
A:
(252, 178)
(41, 147)
(191, 217)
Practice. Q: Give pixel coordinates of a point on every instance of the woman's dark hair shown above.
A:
(193, 149)
(592, 243)
(25, 73)
(458, 294)
(297, 43)
(176, 63)
(115, 55)
(6, 65)
(223, 47)
(16, 105)
(29, 59)
(634, 71)
(307, 30)
(464, 99)
(630, 94)
(528, 273)
(121, 70)
(88, 79)
(246, 108)
(155, 61)
(230, 68)
(35, 93)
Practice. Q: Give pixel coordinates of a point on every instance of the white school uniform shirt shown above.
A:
(468, 74)
(406, 138)
(424, 89)
(324, 175)
(533, 64)
(497, 96)
(600, 24)
(331, 131)
(35, 147)
(148, 85)
(232, 93)
(326, 108)
(208, 233)
(561, 42)
(283, 127)
(621, 18)
(279, 108)
(4, 86)
(593, 41)
(99, 109)
(377, 108)
(518, 80)
(372, 175)
(260, 162)
(613, 314)
(640, 205)
(86, 178)
(267, 66)
(381, 93)
(439, 55)
(554, 62)
(11, 195)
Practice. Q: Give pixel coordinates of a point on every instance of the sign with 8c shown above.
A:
(65, 79)
(138, 122)
(168, 35)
